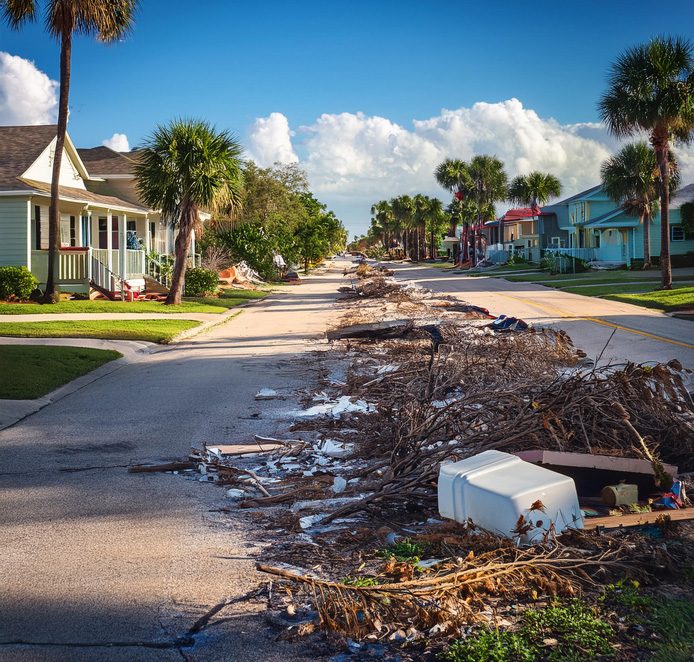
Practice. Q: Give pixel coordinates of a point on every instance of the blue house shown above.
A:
(599, 230)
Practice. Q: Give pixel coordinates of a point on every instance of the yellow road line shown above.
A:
(638, 333)
(557, 312)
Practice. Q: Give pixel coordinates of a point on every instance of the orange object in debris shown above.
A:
(231, 275)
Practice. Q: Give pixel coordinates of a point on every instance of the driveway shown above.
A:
(640, 334)
(100, 564)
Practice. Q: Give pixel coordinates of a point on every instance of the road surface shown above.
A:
(640, 334)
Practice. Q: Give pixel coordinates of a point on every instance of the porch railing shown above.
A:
(586, 254)
(134, 260)
(73, 265)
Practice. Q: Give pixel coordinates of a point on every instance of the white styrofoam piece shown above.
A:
(493, 489)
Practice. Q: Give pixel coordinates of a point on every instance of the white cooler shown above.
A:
(493, 489)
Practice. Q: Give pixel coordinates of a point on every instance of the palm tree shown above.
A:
(435, 220)
(404, 214)
(489, 186)
(533, 190)
(183, 168)
(454, 176)
(631, 178)
(382, 217)
(109, 21)
(651, 88)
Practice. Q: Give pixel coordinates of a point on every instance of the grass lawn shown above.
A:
(32, 371)
(612, 288)
(159, 331)
(193, 305)
(616, 276)
(663, 299)
(244, 294)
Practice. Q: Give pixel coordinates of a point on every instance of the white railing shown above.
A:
(72, 265)
(134, 260)
(586, 254)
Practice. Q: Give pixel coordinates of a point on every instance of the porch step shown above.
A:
(153, 285)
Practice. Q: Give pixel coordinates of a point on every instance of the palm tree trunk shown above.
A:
(661, 146)
(431, 244)
(646, 220)
(181, 248)
(51, 295)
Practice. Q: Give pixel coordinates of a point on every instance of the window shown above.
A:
(676, 233)
(103, 230)
(73, 231)
(37, 227)
(115, 239)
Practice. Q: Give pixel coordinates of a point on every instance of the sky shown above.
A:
(368, 96)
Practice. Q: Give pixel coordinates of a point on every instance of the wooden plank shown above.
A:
(588, 461)
(637, 519)
(244, 449)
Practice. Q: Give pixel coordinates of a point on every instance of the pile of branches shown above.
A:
(436, 600)
(365, 270)
(370, 288)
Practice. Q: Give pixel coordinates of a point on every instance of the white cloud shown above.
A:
(27, 95)
(353, 159)
(118, 142)
(270, 140)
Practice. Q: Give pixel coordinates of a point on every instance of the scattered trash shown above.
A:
(266, 394)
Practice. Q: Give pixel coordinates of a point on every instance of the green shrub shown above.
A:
(201, 282)
(403, 550)
(17, 283)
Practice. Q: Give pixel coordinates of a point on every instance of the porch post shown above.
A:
(109, 240)
(191, 251)
(123, 246)
(148, 236)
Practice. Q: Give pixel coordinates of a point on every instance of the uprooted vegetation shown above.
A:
(354, 535)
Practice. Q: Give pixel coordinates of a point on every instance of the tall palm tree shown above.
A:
(533, 190)
(454, 176)
(631, 178)
(651, 88)
(383, 218)
(489, 186)
(184, 168)
(435, 220)
(109, 21)
(404, 213)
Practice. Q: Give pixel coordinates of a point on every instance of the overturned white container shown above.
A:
(493, 489)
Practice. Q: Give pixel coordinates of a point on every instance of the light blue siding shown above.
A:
(14, 232)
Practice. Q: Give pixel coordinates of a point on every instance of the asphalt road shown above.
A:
(640, 334)
(99, 564)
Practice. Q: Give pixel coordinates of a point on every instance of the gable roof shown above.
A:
(21, 146)
(106, 161)
(610, 220)
(583, 194)
(685, 194)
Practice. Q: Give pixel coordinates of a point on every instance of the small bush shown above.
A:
(403, 550)
(491, 646)
(17, 283)
(201, 282)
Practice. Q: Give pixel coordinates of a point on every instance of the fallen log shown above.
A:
(387, 331)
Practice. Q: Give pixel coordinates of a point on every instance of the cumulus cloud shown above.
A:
(353, 159)
(27, 95)
(270, 140)
(118, 142)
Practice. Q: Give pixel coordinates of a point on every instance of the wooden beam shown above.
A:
(636, 519)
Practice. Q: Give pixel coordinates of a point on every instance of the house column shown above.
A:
(123, 246)
(191, 250)
(109, 240)
(148, 236)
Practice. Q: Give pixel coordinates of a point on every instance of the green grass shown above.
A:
(662, 299)
(580, 632)
(190, 306)
(611, 288)
(616, 276)
(152, 330)
(30, 371)
(244, 294)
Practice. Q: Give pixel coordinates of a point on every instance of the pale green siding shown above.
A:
(14, 231)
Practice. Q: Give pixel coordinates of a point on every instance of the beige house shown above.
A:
(110, 242)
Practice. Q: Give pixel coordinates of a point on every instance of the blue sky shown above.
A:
(234, 62)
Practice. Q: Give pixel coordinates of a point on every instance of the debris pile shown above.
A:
(354, 532)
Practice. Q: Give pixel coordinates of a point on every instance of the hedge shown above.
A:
(17, 283)
(201, 282)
